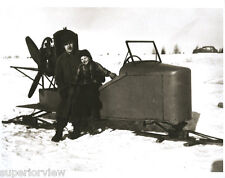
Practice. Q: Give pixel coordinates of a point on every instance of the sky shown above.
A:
(105, 29)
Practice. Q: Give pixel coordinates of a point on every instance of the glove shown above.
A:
(112, 75)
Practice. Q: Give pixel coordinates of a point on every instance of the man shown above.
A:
(65, 73)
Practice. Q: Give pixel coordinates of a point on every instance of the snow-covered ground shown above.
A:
(112, 153)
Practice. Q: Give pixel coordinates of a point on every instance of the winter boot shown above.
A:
(57, 137)
(76, 132)
(74, 135)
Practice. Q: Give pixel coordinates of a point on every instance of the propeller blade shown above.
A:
(34, 52)
(34, 84)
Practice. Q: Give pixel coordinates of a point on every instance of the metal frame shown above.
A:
(134, 41)
(51, 81)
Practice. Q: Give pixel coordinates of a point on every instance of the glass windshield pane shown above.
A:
(144, 50)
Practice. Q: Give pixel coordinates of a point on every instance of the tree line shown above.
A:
(176, 50)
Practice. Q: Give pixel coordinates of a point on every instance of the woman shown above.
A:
(89, 77)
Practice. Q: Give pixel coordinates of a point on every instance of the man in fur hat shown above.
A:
(65, 73)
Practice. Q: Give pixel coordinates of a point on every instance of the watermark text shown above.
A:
(32, 173)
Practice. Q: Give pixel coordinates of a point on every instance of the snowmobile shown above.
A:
(147, 96)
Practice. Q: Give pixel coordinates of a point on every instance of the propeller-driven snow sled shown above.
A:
(146, 96)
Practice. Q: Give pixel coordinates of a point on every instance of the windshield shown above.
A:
(143, 49)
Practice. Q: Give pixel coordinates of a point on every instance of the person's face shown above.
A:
(69, 47)
(85, 60)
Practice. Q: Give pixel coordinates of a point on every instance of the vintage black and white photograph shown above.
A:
(130, 90)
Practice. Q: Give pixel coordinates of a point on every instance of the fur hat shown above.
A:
(66, 39)
(85, 52)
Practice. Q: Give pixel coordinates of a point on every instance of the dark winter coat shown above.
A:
(88, 79)
(93, 72)
(65, 75)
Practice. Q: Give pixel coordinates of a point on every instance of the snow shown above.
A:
(118, 153)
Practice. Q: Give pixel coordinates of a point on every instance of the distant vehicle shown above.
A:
(205, 49)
